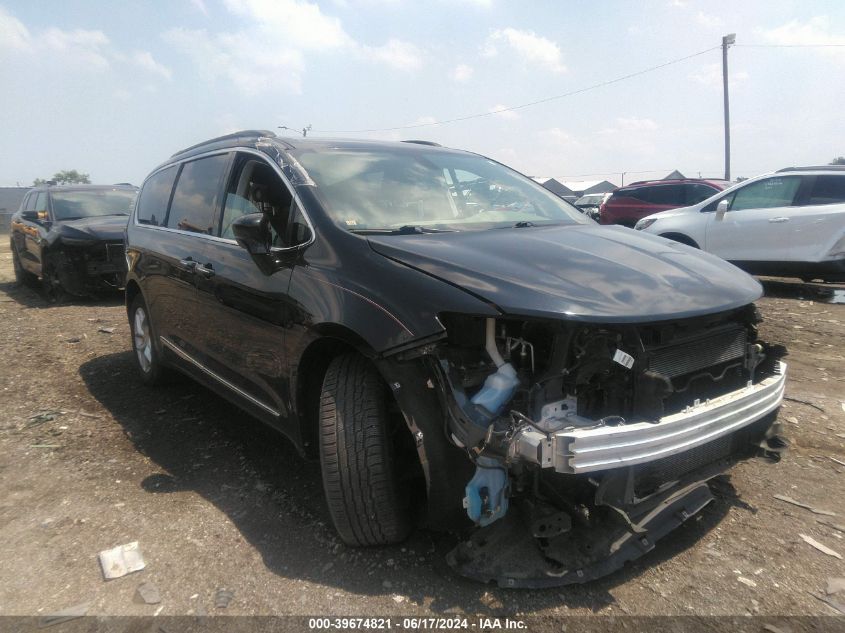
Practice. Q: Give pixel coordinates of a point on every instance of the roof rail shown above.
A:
(418, 142)
(226, 137)
(814, 168)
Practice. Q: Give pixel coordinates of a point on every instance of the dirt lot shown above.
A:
(217, 501)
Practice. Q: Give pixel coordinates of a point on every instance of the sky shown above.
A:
(114, 88)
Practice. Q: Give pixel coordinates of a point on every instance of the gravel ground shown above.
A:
(218, 501)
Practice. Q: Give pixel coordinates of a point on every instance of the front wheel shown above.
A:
(53, 291)
(147, 358)
(22, 276)
(360, 477)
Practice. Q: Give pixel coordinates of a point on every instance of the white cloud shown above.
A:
(13, 34)
(297, 23)
(462, 73)
(634, 124)
(199, 5)
(707, 20)
(630, 124)
(816, 30)
(557, 135)
(80, 46)
(530, 47)
(145, 60)
(267, 51)
(501, 111)
(240, 59)
(77, 49)
(711, 76)
(395, 53)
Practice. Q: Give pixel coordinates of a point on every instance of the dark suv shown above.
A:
(454, 343)
(630, 204)
(71, 238)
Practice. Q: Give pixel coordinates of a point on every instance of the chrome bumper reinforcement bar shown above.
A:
(600, 448)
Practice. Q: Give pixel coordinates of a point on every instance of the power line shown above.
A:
(791, 45)
(526, 105)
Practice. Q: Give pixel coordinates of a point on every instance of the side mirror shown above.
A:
(252, 234)
(34, 216)
(721, 210)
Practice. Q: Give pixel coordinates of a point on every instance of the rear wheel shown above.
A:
(147, 360)
(357, 456)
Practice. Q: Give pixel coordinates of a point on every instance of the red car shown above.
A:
(627, 205)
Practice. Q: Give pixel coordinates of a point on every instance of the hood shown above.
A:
(583, 272)
(106, 228)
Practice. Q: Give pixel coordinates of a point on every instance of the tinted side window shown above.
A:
(41, 203)
(194, 202)
(828, 190)
(667, 194)
(152, 205)
(29, 203)
(698, 192)
(778, 191)
(637, 194)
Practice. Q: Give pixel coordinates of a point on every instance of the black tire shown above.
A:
(53, 291)
(356, 456)
(22, 276)
(153, 372)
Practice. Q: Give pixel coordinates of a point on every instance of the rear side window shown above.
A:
(828, 190)
(152, 206)
(628, 193)
(766, 194)
(698, 192)
(667, 194)
(194, 202)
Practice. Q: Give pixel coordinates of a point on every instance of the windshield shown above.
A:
(384, 190)
(71, 205)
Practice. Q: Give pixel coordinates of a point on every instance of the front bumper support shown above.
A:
(600, 448)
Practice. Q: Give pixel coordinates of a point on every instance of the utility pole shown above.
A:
(727, 40)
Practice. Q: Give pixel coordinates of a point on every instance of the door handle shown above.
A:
(778, 220)
(206, 270)
(188, 263)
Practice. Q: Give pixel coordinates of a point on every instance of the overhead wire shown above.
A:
(571, 93)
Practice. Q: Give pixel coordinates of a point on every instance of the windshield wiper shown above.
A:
(522, 224)
(407, 229)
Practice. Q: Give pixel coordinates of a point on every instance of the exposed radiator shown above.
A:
(700, 353)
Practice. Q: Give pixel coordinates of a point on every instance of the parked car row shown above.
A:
(790, 223)
(631, 203)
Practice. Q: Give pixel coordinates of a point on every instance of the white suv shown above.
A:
(789, 223)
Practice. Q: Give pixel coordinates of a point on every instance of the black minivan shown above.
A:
(454, 343)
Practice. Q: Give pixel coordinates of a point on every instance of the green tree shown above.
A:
(838, 161)
(65, 177)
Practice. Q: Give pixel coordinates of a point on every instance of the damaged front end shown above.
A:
(85, 267)
(592, 441)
